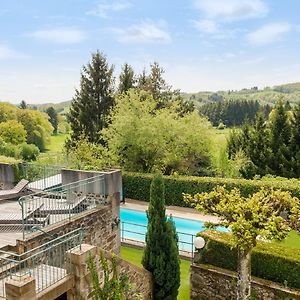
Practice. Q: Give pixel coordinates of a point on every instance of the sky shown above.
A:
(202, 44)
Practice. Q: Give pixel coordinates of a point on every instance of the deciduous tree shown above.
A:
(267, 214)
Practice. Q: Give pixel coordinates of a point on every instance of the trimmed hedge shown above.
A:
(269, 261)
(137, 186)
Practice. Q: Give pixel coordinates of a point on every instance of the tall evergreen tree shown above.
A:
(161, 252)
(259, 150)
(280, 135)
(23, 104)
(52, 118)
(295, 142)
(127, 80)
(93, 100)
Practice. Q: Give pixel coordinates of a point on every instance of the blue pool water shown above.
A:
(186, 228)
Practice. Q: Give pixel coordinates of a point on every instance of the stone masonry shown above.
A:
(140, 278)
(212, 283)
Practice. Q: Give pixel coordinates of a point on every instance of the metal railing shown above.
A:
(41, 177)
(55, 205)
(47, 263)
(136, 233)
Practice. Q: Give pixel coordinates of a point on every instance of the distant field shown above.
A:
(56, 143)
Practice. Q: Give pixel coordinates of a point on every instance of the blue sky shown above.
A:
(202, 44)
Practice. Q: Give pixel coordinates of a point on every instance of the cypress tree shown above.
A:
(127, 80)
(92, 102)
(161, 251)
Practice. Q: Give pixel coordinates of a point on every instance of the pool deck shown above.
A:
(176, 211)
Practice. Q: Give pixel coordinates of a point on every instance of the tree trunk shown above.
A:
(244, 274)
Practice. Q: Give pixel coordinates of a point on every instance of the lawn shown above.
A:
(56, 143)
(293, 240)
(135, 256)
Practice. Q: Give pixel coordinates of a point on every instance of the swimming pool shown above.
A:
(134, 227)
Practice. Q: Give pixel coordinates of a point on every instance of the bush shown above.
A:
(29, 151)
(270, 261)
(137, 186)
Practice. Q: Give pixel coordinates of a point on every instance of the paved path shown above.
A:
(176, 211)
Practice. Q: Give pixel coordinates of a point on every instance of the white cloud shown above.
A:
(206, 26)
(7, 53)
(103, 9)
(231, 10)
(60, 35)
(144, 32)
(268, 34)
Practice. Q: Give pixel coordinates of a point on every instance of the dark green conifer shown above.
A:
(127, 79)
(280, 136)
(93, 100)
(161, 251)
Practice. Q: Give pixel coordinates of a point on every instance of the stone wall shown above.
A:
(212, 283)
(96, 224)
(140, 278)
(7, 176)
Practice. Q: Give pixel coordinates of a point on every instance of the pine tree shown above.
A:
(259, 150)
(52, 118)
(92, 102)
(127, 80)
(295, 142)
(161, 252)
(23, 105)
(280, 135)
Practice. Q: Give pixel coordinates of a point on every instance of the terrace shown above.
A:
(38, 229)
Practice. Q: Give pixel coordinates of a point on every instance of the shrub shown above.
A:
(269, 261)
(29, 151)
(137, 186)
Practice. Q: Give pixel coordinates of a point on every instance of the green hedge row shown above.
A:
(269, 261)
(137, 186)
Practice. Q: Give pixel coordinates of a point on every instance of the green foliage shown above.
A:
(37, 126)
(93, 101)
(7, 112)
(232, 112)
(127, 80)
(137, 185)
(53, 119)
(272, 146)
(161, 251)
(269, 261)
(29, 152)
(12, 132)
(260, 214)
(83, 154)
(114, 286)
(23, 105)
(147, 139)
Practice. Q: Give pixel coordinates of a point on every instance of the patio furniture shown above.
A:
(19, 190)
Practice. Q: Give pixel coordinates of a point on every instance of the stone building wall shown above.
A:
(140, 278)
(212, 283)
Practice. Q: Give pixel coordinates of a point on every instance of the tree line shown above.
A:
(233, 112)
(272, 146)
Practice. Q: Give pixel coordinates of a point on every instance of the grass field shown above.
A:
(135, 256)
(56, 143)
(293, 240)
